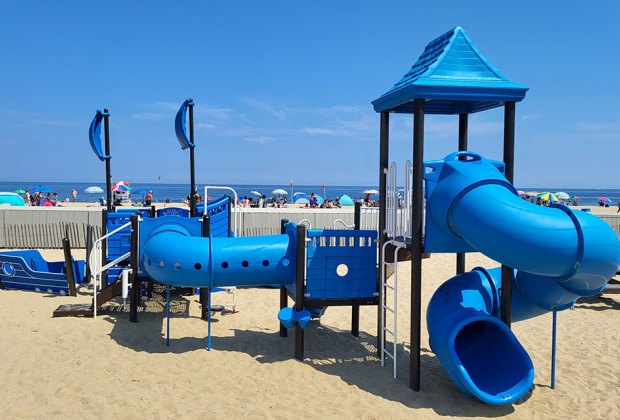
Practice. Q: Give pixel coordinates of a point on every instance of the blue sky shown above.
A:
(283, 89)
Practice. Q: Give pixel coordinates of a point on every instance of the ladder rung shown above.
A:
(389, 309)
(388, 286)
(388, 330)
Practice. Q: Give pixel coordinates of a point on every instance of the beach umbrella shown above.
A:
(125, 183)
(604, 199)
(345, 200)
(298, 193)
(20, 191)
(319, 199)
(562, 195)
(549, 196)
(279, 191)
(121, 187)
(44, 189)
(93, 190)
(301, 198)
(35, 187)
(371, 192)
(256, 193)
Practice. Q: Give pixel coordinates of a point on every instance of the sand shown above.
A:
(111, 368)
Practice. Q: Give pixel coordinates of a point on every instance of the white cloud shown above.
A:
(259, 139)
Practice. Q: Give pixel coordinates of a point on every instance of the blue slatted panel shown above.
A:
(354, 251)
(16, 273)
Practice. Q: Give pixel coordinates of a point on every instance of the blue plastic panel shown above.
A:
(354, 251)
(179, 125)
(94, 135)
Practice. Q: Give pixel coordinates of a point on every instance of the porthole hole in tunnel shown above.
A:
(197, 266)
(244, 264)
(224, 264)
(265, 263)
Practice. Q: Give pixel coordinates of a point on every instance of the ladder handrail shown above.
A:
(343, 224)
(384, 285)
(306, 222)
(95, 266)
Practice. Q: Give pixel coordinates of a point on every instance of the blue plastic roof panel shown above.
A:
(454, 77)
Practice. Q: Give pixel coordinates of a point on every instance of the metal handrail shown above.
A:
(306, 222)
(343, 224)
(95, 266)
(235, 214)
(398, 245)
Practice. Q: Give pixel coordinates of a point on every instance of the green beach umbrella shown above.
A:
(20, 191)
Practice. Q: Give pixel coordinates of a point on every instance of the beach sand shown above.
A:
(111, 368)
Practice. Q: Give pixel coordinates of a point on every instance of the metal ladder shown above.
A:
(385, 286)
(397, 225)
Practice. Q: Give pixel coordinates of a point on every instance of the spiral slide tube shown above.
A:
(558, 255)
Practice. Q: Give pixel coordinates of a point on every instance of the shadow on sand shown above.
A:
(328, 350)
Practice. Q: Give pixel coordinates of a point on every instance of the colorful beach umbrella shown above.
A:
(605, 199)
(548, 196)
(125, 183)
(121, 187)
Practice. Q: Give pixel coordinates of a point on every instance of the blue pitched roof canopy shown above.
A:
(454, 77)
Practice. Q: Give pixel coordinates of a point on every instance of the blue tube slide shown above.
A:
(558, 255)
(171, 254)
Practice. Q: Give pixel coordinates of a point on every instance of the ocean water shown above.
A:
(177, 192)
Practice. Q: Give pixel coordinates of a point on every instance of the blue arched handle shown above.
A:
(94, 135)
(179, 125)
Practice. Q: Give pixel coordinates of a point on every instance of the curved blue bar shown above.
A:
(179, 125)
(94, 135)
(559, 255)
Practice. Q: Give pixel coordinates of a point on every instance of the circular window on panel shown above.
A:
(342, 270)
(8, 269)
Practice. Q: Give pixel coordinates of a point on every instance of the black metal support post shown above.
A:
(204, 291)
(416, 260)
(355, 309)
(134, 298)
(66, 247)
(89, 245)
(463, 126)
(283, 295)
(192, 198)
(108, 171)
(104, 247)
(300, 280)
(153, 212)
(384, 144)
(509, 160)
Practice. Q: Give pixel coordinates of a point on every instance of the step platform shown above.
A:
(404, 254)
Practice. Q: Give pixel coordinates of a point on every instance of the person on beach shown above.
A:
(314, 202)
(261, 202)
(148, 198)
(55, 199)
(74, 195)
(616, 212)
(29, 199)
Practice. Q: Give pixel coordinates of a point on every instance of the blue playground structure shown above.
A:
(28, 270)
(551, 255)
